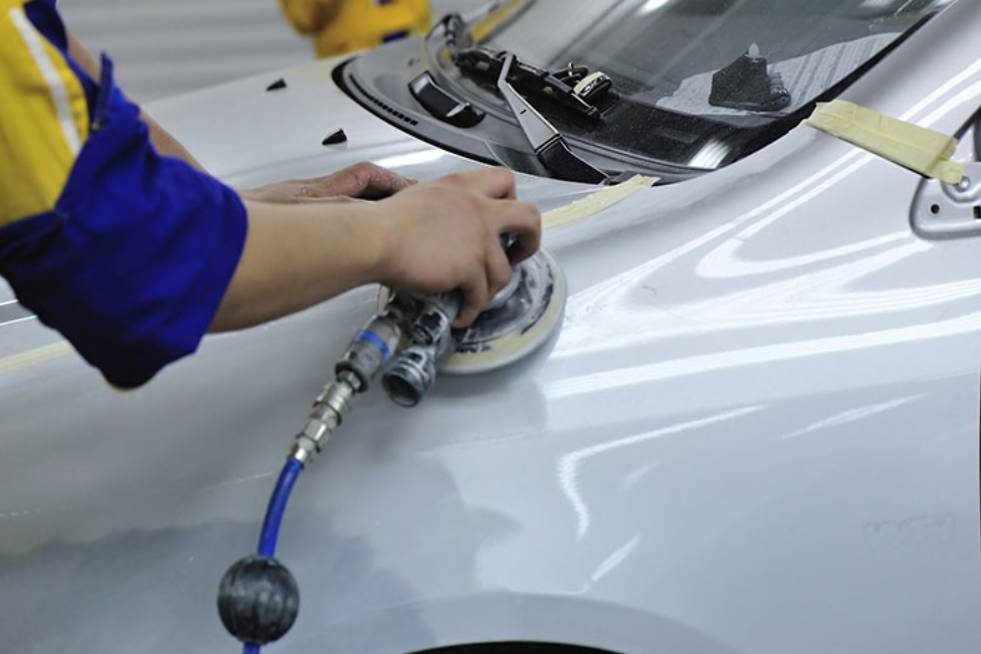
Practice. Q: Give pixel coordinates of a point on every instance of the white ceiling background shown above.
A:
(166, 47)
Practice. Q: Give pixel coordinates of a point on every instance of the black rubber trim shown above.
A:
(516, 647)
(352, 91)
(382, 105)
(559, 160)
(443, 106)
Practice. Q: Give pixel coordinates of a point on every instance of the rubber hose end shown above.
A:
(258, 600)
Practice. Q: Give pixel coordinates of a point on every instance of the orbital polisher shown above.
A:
(408, 341)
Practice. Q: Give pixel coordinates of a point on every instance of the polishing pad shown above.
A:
(520, 319)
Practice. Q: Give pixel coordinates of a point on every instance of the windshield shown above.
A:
(700, 83)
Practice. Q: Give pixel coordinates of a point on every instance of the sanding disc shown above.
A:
(505, 334)
(512, 330)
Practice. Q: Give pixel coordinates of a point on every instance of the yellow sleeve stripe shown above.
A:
(43, 119)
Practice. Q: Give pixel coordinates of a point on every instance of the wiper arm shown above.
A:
(456, 33)
(574, 88)
(565, 88)
(548, 145)
(463, 32)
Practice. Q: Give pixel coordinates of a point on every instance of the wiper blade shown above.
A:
(547, 143)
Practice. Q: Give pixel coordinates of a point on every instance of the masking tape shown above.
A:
(34, 357)
(596, 202)
(40, 355)
(486, 27)
(917, 148)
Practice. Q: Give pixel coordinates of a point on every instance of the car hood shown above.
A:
(729, 406)
(249, 136)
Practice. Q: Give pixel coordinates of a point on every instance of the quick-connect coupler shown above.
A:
(365, 357)
(431, 339)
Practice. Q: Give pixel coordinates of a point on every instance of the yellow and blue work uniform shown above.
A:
(126, 252)
(340, 26)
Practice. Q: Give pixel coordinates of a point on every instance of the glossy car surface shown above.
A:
(757, 431)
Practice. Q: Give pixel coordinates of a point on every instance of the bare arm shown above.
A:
(432, 237)
(298, 255)
(164, 143)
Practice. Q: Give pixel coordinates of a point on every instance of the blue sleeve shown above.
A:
(44, 16)
(134, 259)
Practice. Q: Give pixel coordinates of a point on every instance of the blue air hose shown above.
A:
(258, 599)
(277, 506)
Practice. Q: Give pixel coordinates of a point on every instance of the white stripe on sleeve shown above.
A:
(32, 39)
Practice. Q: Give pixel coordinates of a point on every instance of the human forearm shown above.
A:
(162, 141)
(296, 256)
(166, 144)
(428, 238)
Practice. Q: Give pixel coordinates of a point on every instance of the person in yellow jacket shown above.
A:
(340, 26)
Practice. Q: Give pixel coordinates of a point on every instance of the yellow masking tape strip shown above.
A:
(33, 357)
(596, 202)
(40, 355)
(492, 22)
(917, 148)
(485, 28)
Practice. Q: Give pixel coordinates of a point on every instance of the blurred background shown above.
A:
(167, 47)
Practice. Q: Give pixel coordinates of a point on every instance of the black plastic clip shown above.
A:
(442, 105)
(336, 138)
(278, 85)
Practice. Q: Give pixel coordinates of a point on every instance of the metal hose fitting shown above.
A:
(414, 369)
(365, 357)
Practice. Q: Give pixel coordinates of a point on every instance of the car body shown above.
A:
(757, 430)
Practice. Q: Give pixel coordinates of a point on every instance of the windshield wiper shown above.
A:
(574, 88)
(481, 22)
(547, 143)
(563, 88)
(456, 33)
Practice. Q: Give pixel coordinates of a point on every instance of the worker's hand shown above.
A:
(445, 235)
(364, 180)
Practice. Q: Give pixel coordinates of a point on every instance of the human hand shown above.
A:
(364, 180)
(445, 235)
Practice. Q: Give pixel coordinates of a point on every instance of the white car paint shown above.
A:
(758, 430)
